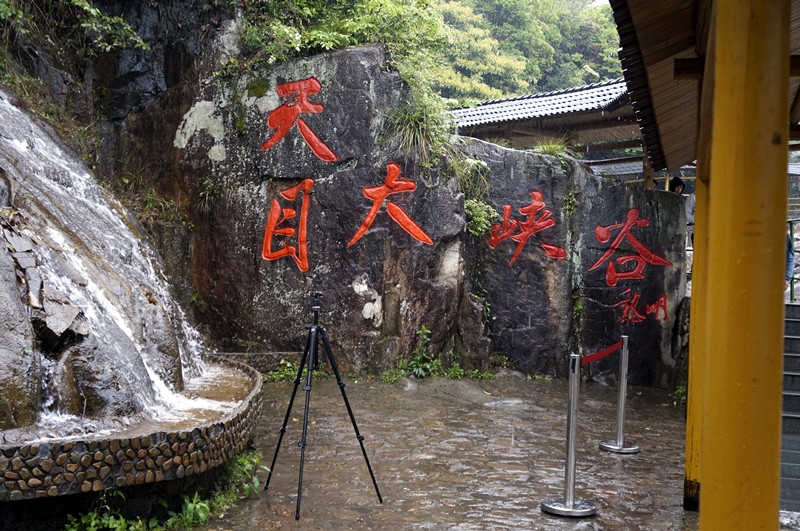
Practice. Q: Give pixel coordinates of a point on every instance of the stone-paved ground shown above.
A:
(462, 455)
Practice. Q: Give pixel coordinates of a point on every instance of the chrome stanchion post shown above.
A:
(569, 505)
(621, 446)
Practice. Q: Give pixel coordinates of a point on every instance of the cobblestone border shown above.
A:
(55, 468)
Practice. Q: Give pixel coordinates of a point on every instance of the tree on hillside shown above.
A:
(586, 51)
(474, 65)
(564, 43)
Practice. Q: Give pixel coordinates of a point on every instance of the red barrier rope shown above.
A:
(602, 354)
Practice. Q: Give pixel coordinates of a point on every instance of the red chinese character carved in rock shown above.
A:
(659, 306)
(285, 116)
(603, 234)
(629, 302)
(527, 228)
(393, 184)
(277, 216)
(504, 231)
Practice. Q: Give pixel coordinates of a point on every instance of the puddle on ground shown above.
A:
(465, 455)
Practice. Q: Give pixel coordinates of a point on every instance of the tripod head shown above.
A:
(315, 305)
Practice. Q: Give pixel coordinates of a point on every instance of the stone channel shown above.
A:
(141, 453)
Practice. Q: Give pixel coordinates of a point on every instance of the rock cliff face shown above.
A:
(556, 295)
(380, 285)
(294, 163)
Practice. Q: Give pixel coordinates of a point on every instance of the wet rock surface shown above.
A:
(457, 454)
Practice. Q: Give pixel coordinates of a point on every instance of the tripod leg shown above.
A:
(339, 381)
(288, 412)
(312, 350)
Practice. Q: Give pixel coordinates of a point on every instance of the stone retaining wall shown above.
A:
(54, 468)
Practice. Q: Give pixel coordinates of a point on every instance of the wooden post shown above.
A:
(649, 182)
(743, 333)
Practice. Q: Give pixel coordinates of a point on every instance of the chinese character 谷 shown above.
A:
(603, 234)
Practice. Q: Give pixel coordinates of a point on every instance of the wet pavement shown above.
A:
(463, 455)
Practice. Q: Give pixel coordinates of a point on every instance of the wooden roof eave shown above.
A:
(635, 72)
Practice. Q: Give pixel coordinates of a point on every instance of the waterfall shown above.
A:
(90, 258)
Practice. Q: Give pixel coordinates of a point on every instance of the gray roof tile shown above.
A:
(596, 96)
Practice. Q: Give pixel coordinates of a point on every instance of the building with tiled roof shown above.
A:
(600, 112)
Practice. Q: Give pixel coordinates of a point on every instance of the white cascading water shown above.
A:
(78, 225)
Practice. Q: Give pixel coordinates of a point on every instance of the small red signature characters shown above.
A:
(527, 228)
(603, 234)
(629, 301)
(285, 116)
(393, 184)
(659, 306)
(278, 215)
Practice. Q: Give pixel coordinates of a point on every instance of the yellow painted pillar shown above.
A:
(741, 421)
(697, 359)
(699, 305)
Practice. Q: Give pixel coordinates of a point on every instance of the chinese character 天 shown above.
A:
(287, 115)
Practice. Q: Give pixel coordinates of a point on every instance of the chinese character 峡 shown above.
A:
(393, 184)
(277, 215)
(285, 116)
(603, 234)
(527, 228)
(659, 306)
(504, 231)
(629, 302)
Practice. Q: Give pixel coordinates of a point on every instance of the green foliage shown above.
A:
(105, 516)
(194, 511)
(278, 30)
(454, 372)
(392, 375)
(472, 175)
(680, 392)
(570, 202)
(480, 217)
(207, 191)
(421, 129)
(557, 147)
(86, 29)
(75, 32)
(474, 63)
(104, 33)
(422, 364)
(238, 480)
(287, 371)
(499, 48)
(155, 208)
(577, 307)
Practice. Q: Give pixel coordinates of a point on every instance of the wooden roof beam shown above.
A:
(692, 67)
(600, 124)
(605, 146)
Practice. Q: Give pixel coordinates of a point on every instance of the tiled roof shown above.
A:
(617, 168)
(597, 96)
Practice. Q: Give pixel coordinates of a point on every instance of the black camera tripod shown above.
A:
(310, 354)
